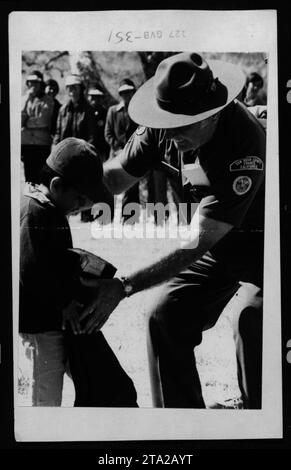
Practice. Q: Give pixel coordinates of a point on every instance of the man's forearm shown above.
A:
(164, 269)
(208, 233)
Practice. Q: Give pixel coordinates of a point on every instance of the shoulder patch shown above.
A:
(247, 163)
(241, 185)
(140, 130)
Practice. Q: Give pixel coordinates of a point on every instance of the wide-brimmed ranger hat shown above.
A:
(79, 164)
(184, 90)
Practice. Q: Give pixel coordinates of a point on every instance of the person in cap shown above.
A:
(118, 129)
(71, 180)
(252, 94)
(36, 118)
(95, 97)
(190, 121)
(52, 89)
(75, 117)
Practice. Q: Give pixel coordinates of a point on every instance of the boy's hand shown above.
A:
(71, 316)
(110, 292)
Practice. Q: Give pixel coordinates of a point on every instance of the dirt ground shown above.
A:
(125, 329)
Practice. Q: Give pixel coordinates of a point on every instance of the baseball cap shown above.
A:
(184, 90)
(35, 76)
(73, 80)
(126, 85)
(79, 164)
(95, 91)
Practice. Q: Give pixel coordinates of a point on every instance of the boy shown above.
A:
(70, 181)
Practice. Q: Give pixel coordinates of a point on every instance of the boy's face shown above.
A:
(69, 199)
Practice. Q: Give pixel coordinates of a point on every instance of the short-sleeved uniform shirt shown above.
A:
(46, 283)
(231, 190)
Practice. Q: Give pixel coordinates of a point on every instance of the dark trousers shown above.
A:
(157, 191)
(130, 196)
(99, 379)
(190, 303)
(34, 157)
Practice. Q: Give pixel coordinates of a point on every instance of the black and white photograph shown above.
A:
(145, 227)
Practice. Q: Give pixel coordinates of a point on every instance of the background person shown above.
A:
(76, 119)
(95, 98)
(52, 89)
(118, 129)
(36, 117)
(252, 93)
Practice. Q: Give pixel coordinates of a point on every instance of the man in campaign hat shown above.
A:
(36, 119)
(71, 180)
(190, 122)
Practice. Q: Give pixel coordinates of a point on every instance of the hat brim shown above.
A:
(125, 88)
(144, 109)
(95, 93)
(33, 78)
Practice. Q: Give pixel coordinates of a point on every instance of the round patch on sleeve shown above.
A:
(140, 130)
(242, 185)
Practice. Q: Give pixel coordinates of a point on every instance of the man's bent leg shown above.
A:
(174, 377)
(247, 329)
(189, 304)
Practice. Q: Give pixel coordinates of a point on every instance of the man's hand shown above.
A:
(71, 316)
(110, 292)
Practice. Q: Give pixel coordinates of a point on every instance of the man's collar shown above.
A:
(120, 106)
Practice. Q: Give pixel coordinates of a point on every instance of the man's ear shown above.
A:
(55, 184)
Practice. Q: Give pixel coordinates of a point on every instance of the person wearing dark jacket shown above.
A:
(36, 116)
(49, 325)
(75, 118)
(118, 129)
(52, 89)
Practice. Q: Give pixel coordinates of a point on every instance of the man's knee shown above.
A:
(250, 323)
(173, 319)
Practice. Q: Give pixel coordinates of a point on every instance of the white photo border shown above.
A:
(208, 31)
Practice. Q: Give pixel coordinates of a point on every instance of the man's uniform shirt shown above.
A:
(227, 180)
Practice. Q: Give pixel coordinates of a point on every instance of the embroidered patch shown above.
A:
(248, 163)
(140, 130)
(242, 185)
